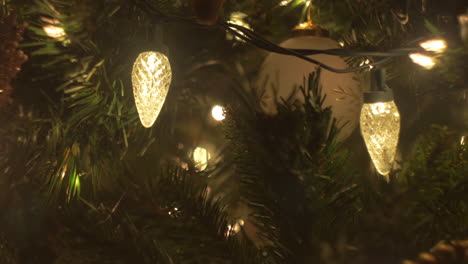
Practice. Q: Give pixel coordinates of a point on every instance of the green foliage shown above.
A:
(289, 165)
(117, 191)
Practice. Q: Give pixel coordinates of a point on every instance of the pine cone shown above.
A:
(11, 57)
(444, 253)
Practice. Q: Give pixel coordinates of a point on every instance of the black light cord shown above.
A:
(336, 52)
(260, 42)
(285, 51)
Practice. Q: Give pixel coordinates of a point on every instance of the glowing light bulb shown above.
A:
(151, 78)
(237, 18)
(234, 229)
(463, 141)
(380, 128)
(201, 156)
(285, 2)
(434, 45)
(367, 63)
(218, 113)
(423, 60)
(54, 31)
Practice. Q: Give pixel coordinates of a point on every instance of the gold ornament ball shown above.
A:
(151, 78)
(280, 75)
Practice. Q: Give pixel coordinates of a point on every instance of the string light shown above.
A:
(260, 42)
(423, 60)
(434, 45)
(234, 229)
(367, 62)
(218, 113)
(201, 156)
(380, 125)
(151, 78)
(237, 18)
(54, 31)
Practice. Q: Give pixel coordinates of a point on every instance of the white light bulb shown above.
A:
(434, 45)
(201, 156)
(380, 128)
(423, 60)
(218, 113)
(151, 78)
(54, 31)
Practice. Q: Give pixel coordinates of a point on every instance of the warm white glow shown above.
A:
(367, 62)
(54, 31)
(423, 60)
(463, 20)
(151, 78)
(380, 128)
(234, 229)
(285, 2)
(434, 45)
(201, 156)
(237, 18)
(218, 113)
(463, 141)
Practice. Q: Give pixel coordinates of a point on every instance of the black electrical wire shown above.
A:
(260, 42)
(291, 52)
(336, 52)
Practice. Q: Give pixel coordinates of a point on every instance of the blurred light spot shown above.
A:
(234, 229)
(54, 31)
(422, 60)
(201, 156)
(218, 113)
(434, 45)
(367, 62)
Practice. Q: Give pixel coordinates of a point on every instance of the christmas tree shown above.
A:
(211, 131)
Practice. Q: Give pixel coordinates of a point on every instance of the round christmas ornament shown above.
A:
(281, 76)
(207, 11)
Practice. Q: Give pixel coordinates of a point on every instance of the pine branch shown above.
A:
(285, 163)
(168, 220)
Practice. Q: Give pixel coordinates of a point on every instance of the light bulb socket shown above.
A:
(378, 80)
(378, 92)
(378, 97)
